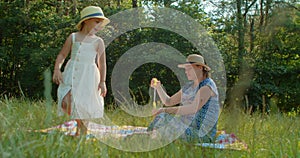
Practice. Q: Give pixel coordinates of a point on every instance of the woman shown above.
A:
(197, 116)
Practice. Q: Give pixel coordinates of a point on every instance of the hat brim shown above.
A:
(104, 22)
(190, 64)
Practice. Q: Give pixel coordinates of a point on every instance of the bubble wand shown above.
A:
(154, 92)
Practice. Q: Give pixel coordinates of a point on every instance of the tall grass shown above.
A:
(274, 135)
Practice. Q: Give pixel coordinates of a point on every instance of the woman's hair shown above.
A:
(206, 73)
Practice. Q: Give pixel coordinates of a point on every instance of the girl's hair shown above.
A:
(82, 25)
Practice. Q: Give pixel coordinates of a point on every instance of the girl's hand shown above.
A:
(155, 83)
(102, 87)
(57, 76)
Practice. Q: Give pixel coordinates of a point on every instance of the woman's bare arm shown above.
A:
(200, 100)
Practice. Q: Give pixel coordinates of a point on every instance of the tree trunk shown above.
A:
(119, 3)
(240, 26)
(134, 4)
(236, 93)
(252, 35)
(267, 10)
(1, 38)
(167, 3)
(74, 7)
(261, 20)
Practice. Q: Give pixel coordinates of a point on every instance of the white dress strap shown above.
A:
(73, 37)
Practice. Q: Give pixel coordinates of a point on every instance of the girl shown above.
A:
(82, 84)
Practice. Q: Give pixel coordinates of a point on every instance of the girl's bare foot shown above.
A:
(81, 128)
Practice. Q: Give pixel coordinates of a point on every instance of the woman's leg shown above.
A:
(159, 121)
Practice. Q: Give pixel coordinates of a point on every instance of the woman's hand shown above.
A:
(57, 76)
(155, 83)
(102, 87)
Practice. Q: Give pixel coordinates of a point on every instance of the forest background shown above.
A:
(258, 40)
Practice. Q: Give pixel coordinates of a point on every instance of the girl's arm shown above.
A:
(57, 77)
(102, 67)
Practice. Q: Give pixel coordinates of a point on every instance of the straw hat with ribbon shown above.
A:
(92, 12)
(195, 59)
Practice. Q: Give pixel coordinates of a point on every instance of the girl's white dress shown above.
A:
(81, 76)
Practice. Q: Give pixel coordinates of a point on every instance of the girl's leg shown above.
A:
(66, 103)
(66, 106)
(81, 128)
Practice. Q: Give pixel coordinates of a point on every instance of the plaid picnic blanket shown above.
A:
(223, 139)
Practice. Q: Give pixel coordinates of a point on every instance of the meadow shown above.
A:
(272, 135)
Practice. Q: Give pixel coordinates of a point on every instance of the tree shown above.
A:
(258, 41)
(241, 30)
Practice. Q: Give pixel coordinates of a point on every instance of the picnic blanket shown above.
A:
(223, 140)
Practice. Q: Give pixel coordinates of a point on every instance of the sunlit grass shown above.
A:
(274, 135)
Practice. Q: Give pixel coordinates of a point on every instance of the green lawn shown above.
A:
(274, 135)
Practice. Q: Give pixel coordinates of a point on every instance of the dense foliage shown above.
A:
(260, 49)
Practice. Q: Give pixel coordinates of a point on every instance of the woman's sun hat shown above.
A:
(92, 12)
(195, 59)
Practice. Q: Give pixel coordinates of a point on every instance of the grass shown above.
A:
(274, 135)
